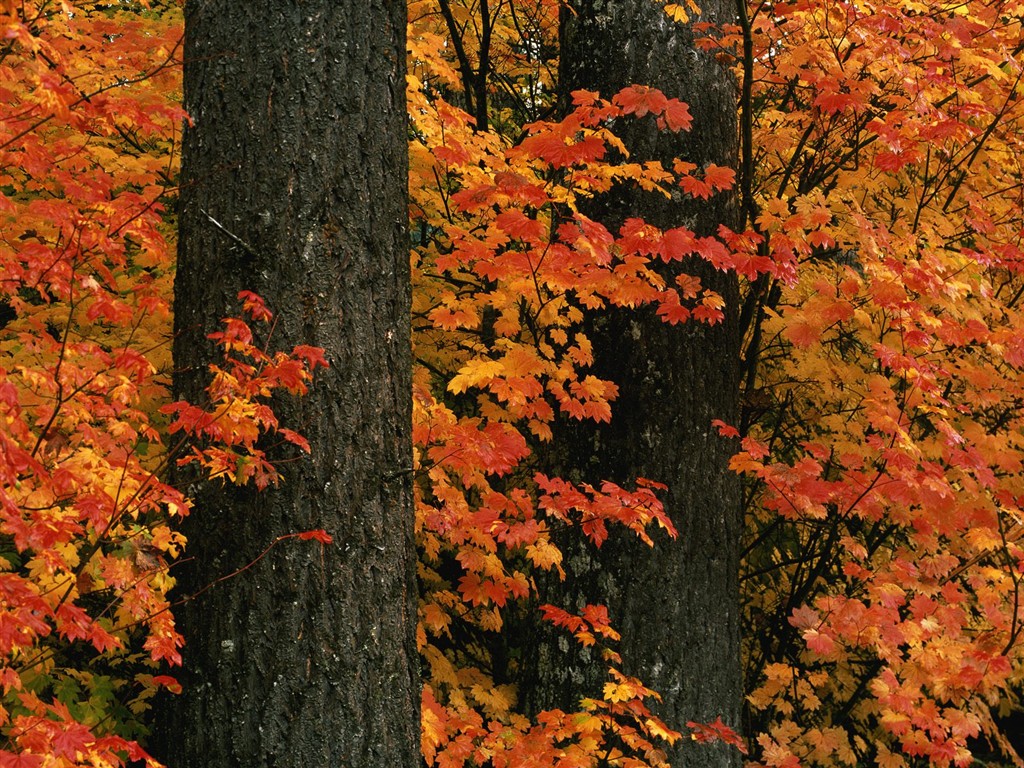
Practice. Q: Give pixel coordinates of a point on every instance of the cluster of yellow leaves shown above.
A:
(885, 385)
(88, 116)
(506, 268)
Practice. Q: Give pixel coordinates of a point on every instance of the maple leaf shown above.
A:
(317, 535)
(73, 739)
(475, 373)
(22, 760)
(676, 116)
(622, 691)
(716, 730)
(725, 430)
(819, 642)
(677, 13)
(294, 438)
(254, 306)
(671, 311)
(719, 177)
(640, 100)
(696, 187)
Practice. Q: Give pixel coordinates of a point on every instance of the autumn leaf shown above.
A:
(318, 535)
(716, 731)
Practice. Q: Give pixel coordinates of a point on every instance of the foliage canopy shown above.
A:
(881, 184)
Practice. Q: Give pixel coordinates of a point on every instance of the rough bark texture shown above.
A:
(294, 186)
(677, 605)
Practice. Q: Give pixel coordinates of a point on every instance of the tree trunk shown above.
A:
(677, 606)
(294, 186)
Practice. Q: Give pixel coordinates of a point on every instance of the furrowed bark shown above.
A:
(294, 187)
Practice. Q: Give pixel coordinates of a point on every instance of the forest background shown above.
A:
(877, 248)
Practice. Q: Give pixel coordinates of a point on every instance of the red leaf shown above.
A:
(719, 177)
(318, 535)
(24, 760)
(168, 682)
(676, 116)
(725, 430)
(716, 731)
(639, 100)
(253, 306)
(520, 226)
(294, 438)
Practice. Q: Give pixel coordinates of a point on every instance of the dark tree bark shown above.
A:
(677, 606)
(294, 186)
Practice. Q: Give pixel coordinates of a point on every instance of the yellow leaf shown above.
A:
(474, 373)
(677, 13)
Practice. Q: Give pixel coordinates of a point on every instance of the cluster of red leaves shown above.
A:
(481, 540)
(882, 424)
(505, 267)
(881, 415)
(87, 114)
(226, 434)
(88, 120)
(882, 421)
